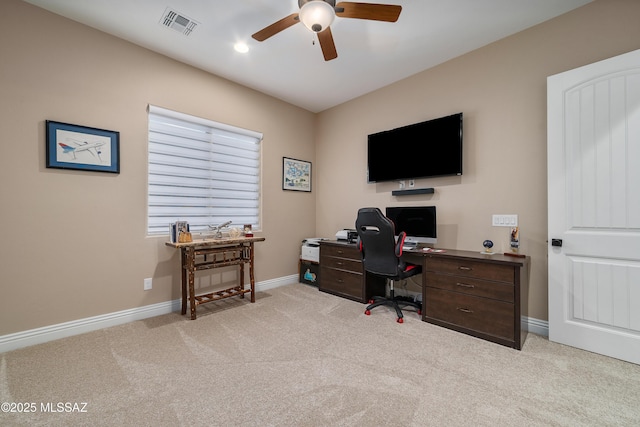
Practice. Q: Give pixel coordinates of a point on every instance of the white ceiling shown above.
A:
(289, 66)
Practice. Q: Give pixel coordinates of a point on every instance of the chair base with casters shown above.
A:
(394, 302)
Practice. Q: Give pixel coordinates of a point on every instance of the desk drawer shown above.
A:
(471, 286)
(341, 251)
(342, 264)
(469, 268)
(475, 313)
(342, 282)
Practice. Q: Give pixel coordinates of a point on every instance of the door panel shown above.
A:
(604, 292)
(593, 151)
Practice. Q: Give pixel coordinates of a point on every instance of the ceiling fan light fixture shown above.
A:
(317, 15)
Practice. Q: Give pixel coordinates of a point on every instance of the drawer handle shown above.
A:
(340, 252)
(340, 281)
(464, 310)
(465, 268)
(339, 263)
(465, 285)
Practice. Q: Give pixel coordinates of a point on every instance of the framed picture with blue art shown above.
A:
(82, 148)
(296, 175)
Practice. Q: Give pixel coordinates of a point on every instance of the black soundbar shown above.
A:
(412, 191)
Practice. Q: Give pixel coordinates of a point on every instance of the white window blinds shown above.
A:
(202, 172)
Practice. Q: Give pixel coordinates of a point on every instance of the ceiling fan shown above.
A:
(317, 16)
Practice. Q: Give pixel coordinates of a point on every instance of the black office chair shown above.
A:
(381, 255)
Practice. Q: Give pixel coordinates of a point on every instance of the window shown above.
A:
(200, 171)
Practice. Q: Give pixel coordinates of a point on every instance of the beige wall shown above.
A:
(501, 89)
(74, 243)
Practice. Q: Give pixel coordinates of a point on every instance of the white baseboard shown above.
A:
(274, 283)
(81, 326)
(536, 326)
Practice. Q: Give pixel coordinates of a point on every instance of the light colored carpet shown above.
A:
(299, 357)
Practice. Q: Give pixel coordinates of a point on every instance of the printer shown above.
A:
(348, 234)
(310, 250)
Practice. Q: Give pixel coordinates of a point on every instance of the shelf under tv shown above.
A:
(412, 191)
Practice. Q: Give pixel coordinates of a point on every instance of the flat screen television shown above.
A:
(421, 150)
(419, 222)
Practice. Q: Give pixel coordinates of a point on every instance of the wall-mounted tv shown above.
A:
(421, 150)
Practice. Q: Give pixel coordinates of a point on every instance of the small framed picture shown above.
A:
(296, 175)
(83, 148)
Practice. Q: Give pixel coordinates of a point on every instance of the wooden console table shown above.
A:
(214, 253)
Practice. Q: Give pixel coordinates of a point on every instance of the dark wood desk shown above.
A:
(214, 253)
(470, 292)
(475, 293)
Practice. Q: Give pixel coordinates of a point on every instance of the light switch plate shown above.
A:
(504, 220)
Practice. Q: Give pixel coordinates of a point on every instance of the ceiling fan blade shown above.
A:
(276, 27)
(328, 46)
(375, 12)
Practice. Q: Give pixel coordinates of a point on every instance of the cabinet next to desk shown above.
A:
(480, 295)
(342, 272)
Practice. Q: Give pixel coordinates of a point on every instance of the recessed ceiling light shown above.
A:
(241, 47)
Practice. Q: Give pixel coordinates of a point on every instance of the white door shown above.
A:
(593, 167)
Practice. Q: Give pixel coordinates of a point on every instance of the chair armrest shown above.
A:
(400, 243)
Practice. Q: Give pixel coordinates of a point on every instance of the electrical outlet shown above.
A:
(504, 220)
(148, 283)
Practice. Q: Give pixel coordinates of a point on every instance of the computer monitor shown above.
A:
(418, 222)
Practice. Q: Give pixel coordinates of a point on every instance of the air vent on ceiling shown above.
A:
(178, 22)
